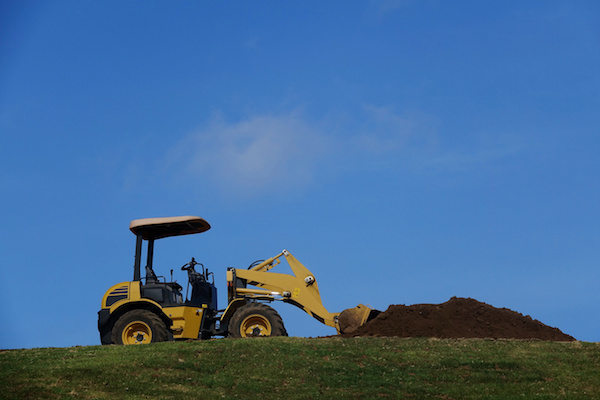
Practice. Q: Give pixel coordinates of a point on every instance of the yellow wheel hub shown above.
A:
(255, 325)
(137, 332)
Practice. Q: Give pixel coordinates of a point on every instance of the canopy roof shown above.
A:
(156, 228)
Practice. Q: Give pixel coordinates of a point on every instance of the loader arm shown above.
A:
(299, 289)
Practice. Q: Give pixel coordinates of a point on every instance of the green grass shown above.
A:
(301, 368)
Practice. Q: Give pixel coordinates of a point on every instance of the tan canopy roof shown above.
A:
(156, 228)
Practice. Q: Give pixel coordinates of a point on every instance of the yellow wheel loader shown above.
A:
(152, 309)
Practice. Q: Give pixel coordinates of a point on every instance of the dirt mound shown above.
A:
(457, 318)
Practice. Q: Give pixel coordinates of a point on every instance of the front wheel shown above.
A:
(139, 327)
(256, 319)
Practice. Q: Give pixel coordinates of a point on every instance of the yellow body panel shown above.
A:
(116, 293)
(123, 293)
(232, 307)
(186, 321)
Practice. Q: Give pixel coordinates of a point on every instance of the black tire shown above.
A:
(139, 327)
(255, 319)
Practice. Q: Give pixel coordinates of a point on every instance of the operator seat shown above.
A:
(150, 276)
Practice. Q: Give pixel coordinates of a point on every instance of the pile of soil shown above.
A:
(457, 318)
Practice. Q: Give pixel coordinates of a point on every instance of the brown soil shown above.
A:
(457, 318)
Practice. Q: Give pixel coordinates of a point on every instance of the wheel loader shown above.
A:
(154, 309)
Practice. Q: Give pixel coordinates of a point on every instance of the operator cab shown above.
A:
(156, 287)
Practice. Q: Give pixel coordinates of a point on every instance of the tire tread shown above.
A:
(160, 332)
(277, 326)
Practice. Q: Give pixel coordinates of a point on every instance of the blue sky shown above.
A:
(404, 151)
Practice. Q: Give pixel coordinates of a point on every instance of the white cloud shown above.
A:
(282, 153)
(416, 141)
(252, 155)
(385, 130)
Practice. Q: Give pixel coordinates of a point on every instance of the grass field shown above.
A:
(303, 368)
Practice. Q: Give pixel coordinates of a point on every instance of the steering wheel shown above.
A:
(189, 266)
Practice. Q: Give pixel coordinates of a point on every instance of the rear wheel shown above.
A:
(256, 319)
(139, 327)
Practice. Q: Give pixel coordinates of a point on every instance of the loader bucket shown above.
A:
(351, 319)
